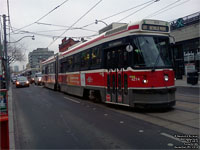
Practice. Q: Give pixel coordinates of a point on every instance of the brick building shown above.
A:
(66, 43)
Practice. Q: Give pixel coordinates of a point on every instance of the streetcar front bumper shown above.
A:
(164, 97)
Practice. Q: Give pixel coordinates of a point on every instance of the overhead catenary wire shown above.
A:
(119, 13)
(43, 15)
(76, 21)
(170, 8)
(81, 28)
(55, 36)
(138, 10)
(157, 12)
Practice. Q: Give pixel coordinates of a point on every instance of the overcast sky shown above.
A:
(26, 12)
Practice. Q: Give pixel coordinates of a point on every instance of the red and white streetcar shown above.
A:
(127, 64)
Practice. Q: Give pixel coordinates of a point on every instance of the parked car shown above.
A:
(22, 82)
(32, 79)
(38, 78)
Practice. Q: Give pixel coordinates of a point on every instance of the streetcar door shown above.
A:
(115, 76)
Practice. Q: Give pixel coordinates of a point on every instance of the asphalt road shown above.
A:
(45, 119)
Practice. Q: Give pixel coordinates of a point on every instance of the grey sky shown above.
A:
(24, 12)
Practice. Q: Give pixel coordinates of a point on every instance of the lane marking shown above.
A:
(72, 100)
(141, 131)
(170, 136)
(170, 144)
(121, 122)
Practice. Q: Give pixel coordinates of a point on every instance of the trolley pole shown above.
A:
(5, 52)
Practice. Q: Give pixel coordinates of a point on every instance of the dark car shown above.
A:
(22, 82)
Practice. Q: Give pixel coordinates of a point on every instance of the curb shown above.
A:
(11, 120)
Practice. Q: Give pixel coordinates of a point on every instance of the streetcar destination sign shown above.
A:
(155, 28)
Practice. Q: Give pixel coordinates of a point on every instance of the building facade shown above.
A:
(38, 55)
(66, 43)
(16, 68)
(187, 48)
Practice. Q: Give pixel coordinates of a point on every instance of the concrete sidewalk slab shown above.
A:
(183, 83)
(11, 120)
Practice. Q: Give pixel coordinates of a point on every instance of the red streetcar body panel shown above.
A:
(154, 79)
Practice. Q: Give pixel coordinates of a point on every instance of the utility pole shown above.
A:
(5, 52)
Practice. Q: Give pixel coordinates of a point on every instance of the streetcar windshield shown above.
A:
(151, 52)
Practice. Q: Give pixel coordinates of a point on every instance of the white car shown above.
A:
(38, 79)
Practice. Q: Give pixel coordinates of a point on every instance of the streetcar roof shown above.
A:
(117, 30)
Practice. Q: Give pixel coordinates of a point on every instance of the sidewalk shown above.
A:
(183, 83)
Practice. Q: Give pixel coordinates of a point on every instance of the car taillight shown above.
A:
(17, 82)
(27, 82)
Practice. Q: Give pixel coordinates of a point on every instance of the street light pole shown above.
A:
(33, 38)
(5, 52)
(5, 56)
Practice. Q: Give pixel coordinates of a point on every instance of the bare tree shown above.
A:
(15, 53)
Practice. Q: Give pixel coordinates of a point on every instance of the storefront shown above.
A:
(187, 47)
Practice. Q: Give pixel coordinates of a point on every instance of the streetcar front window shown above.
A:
(151, 52)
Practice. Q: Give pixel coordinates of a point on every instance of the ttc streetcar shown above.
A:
(127, 64)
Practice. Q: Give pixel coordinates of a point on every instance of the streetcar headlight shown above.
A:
(145, 81)
(166, 78)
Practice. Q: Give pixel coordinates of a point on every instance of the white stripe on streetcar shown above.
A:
(72, 100)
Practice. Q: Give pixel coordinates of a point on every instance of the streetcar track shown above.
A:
(186, 110)
(184, 101)
(179, 123)
(195, 96)
(157, 117)
(150, 115)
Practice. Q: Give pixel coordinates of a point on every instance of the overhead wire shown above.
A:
(156, 12)
(119, 13)
(171, 8)
(81, 28)
(76, 21)
(54, 36)
(43, 16)
(137, 10)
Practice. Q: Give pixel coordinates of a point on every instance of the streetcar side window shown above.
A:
(63, 65)
(77, 62)
(69, 66)
(95, 58)
(51, 68)
(108, 60)
(85, 60)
